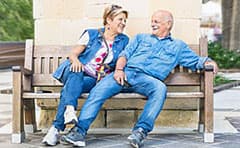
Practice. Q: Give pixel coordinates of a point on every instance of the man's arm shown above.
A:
(119, 74)
(190, 59)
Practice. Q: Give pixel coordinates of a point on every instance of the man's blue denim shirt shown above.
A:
(158, 57)
(94, 44)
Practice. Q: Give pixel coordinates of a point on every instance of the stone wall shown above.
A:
(62, 22)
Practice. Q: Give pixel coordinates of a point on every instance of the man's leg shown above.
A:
(104, 89)
(155, 90)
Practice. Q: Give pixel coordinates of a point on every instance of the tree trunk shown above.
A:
(235, 29)
(227, 8)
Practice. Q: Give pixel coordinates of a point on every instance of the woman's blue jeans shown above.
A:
(141, 83)
(74, 84)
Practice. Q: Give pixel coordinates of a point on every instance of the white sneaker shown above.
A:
(52, 137)
(70, 115)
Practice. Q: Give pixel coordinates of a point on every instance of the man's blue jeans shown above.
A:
(141, 83)
(74, 84)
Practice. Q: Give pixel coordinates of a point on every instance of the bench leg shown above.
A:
(200, 127)
(208, 137)
(18, 138)
(30, 118)
(201, 116)
(18, 133)
(208, 108)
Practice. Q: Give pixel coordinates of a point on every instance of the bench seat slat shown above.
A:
(174, 79)
(120, 95)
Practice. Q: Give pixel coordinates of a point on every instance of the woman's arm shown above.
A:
(73, 57)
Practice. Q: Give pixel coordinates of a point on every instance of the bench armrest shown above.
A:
(208, 68)
(23, 76)
(25, 71)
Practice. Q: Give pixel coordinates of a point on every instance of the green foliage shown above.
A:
(218, 80)
(224, 57)
(16, 21)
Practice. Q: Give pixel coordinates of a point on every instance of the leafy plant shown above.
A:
(224, 57)
(16, 21)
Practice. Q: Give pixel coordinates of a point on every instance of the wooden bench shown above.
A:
(41, 61)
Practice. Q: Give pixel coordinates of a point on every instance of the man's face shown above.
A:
(160, 26)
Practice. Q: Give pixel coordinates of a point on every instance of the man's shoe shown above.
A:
(70, 116)
(52, 137)
(74, 137)
(137, 137)
(63, 141)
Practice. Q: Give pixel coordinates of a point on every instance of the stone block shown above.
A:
(187, 30)
(181, 103)
(124, 104)
(47, 116)
(179, 9)
(74, 9)
(48, 32)
(138, 25)
(48, 9)
(73, 28)
(121, 118)
(176, 118)
(137, 12)
(100, 120)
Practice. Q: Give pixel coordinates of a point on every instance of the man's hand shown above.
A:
(119, 76)
(76, 66)
(214, 64)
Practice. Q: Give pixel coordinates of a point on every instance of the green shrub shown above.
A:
(16, 21)
(224, 57)
(219, 80)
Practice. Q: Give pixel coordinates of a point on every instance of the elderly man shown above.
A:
(144, 64)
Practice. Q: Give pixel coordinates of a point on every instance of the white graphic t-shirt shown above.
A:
(94, 65)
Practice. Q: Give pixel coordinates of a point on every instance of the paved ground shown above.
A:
(153, 141)
(226, 126)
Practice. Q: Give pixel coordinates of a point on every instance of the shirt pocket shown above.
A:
(168, 55)
(145, 44)
(144, 47)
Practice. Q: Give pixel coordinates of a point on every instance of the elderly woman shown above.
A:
(94, 56)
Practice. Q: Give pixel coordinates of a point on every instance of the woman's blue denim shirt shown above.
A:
(158, 57)
(94, 44)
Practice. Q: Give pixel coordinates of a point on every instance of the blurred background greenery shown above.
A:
(16, 21)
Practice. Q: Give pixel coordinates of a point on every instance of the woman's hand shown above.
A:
(119, 76)
(76, 66)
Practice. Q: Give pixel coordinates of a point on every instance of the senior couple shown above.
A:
(103, 62)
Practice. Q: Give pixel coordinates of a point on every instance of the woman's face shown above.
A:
(118, 23)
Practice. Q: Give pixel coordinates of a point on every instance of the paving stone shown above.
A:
(235, 121)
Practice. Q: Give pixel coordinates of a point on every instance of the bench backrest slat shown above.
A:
(46, 59)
